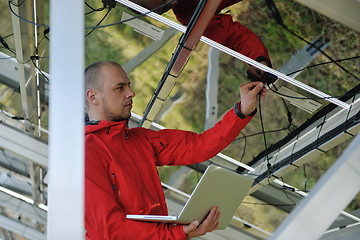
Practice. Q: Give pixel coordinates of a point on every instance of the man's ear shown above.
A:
(91, 97)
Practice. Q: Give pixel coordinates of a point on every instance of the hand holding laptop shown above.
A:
(210, 224)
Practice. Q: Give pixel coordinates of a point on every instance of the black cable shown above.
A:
(263, 131)
(17, 5)
(137, 16)
(8, 36)
(94, 9)
(99, 22)
(12, 117)
(288, 113)
(36, 24)
(95, 27)
(17, 117)
(258, 133)
(3, 58)
(276, 14)
(21, 118)
(323, 63)
(89, 13)
(6, 46)
(319, 49)
(311, 98)
(36, 53)
(245, 145)
(291, 189)
(33, 58)
(46, 31)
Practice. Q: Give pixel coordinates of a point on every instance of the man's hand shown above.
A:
(249, 96)
(208, 225)
(254, 74)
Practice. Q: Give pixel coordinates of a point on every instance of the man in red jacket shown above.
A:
(120, 163)
(221, 29)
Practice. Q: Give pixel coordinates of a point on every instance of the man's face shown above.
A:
(115, 98)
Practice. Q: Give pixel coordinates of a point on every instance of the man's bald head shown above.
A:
(93, 74)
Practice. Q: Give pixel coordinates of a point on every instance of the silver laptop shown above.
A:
(217, 187)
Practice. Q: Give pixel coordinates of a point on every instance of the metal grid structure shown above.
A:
(25, 154)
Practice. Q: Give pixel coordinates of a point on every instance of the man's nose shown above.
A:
(131, 93)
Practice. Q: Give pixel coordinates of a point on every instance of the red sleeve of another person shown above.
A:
(224, 30)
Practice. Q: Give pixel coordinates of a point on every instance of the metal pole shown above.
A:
(66, 141)
(313, 216)
(212, 88)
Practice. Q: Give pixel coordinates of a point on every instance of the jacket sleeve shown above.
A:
(177, 147)
(104, 217)
(224, 30)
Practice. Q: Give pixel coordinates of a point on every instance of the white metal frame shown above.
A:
(310, 219)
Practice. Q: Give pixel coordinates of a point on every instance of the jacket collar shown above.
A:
(94, 126)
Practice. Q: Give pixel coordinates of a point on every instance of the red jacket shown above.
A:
(121, 175)
(222, 29)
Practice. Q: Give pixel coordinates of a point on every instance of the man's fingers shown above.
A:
(211, 223)
(249, 86)
(257, 88)
(190, 228)
(193, 225)
(212, 219)
(215, 227)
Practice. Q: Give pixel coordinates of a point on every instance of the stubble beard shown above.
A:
(115, 117)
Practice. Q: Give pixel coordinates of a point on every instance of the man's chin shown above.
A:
(121, 118)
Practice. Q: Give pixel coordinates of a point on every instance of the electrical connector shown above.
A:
(268, 78)
(109, 3)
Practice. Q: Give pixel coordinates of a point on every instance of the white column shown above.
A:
(66, 121)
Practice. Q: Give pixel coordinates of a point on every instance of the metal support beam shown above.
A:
(212, 88)
(303, 57)
(35, 182)
(187, 43)
(21, 229)
(14, 163)
(346, 233)
(23, 144)
(299, 61)
(26, 209)
(148, 51)
(326, 200)
(66, 142)
(9, 75)
(24, 43)
(330, 127)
